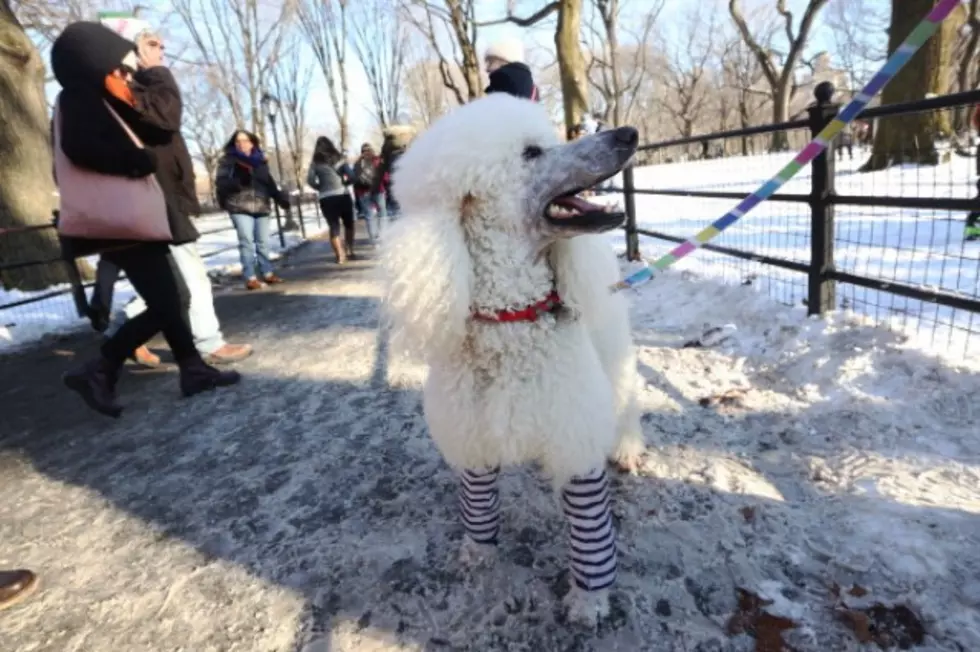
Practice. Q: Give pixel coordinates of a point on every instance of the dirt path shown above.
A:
(308, 510)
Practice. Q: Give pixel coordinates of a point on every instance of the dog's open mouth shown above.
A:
(572, 211)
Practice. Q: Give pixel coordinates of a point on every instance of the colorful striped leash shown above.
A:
(922, 33)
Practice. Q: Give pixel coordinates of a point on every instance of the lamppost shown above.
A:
(271, 104)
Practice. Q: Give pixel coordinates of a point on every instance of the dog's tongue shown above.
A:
(576, 204)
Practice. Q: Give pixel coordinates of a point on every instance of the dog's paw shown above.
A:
(628, 456)
(476, 555)
(586, 608)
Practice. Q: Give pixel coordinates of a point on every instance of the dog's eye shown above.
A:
(532, 152)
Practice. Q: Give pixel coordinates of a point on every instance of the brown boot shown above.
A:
(15, 585)
(338, 250)
(253, 284)
(95, 382)
(145, 357)
(272, 279)
(229, 353)
(196, 376)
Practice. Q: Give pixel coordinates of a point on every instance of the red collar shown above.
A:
(549, 304)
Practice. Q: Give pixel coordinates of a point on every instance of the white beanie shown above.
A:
(510, 50)
(127, 26)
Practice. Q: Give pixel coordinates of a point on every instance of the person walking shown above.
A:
(396, 141)
(370, 204)
(329, 175)
(159, 102)
(246, 189)
(96, 136)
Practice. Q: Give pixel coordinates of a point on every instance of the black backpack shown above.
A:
(365, 173)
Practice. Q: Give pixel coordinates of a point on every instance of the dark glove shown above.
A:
(283, 201)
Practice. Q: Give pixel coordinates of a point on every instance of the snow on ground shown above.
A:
(28, 323)
(917, 247)
(308, 509)
(830, 452)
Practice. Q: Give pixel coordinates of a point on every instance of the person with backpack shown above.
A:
(369, 195)
(397, 139)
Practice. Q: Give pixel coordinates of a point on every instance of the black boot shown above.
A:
(95, 382)
(196, 376)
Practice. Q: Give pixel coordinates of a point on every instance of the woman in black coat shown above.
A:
(94, 66)
(246, 189)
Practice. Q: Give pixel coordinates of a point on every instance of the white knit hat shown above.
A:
(510, 50)
(127, 26)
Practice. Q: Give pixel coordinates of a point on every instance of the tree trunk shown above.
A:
(780, 113)
(571, 63)
(912, 138)
(968, 61)
(26, 180)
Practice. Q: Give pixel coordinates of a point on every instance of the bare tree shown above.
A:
(779, 71)
(26, 183)
(859, 29)
(426, 95)
(238, 43)
(687, 75)
(740, 73)
(381, 45)
(325, 25)
(438, 21)
(291, 84)
(208, 120)
(617, 84)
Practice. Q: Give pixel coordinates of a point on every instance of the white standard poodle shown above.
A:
(497, 280)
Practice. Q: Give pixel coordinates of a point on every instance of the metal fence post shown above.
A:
(822, 291)
(629, 201)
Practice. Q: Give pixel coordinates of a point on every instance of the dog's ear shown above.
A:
(428, 273)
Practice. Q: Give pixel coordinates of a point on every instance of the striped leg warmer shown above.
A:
(585, 501)
(479, 504)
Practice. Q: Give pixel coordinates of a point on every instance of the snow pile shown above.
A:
(795, 456)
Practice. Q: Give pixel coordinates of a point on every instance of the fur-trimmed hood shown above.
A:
(399, 136)
(86, 52)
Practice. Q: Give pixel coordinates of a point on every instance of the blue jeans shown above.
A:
(253, 244)
(374, 210)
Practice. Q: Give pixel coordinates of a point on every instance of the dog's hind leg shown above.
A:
(479, 506)
(592, 542)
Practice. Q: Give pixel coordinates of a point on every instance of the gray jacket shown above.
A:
(329, 181)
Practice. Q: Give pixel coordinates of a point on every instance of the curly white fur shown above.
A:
(560, 391)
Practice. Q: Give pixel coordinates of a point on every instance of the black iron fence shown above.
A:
(48, 308)
(889, 244)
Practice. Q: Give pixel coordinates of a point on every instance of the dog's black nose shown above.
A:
(627, 136)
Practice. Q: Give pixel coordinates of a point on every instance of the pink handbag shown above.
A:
(103, 207)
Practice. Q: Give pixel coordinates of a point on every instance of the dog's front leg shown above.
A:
(592, 542)
(479, 506)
